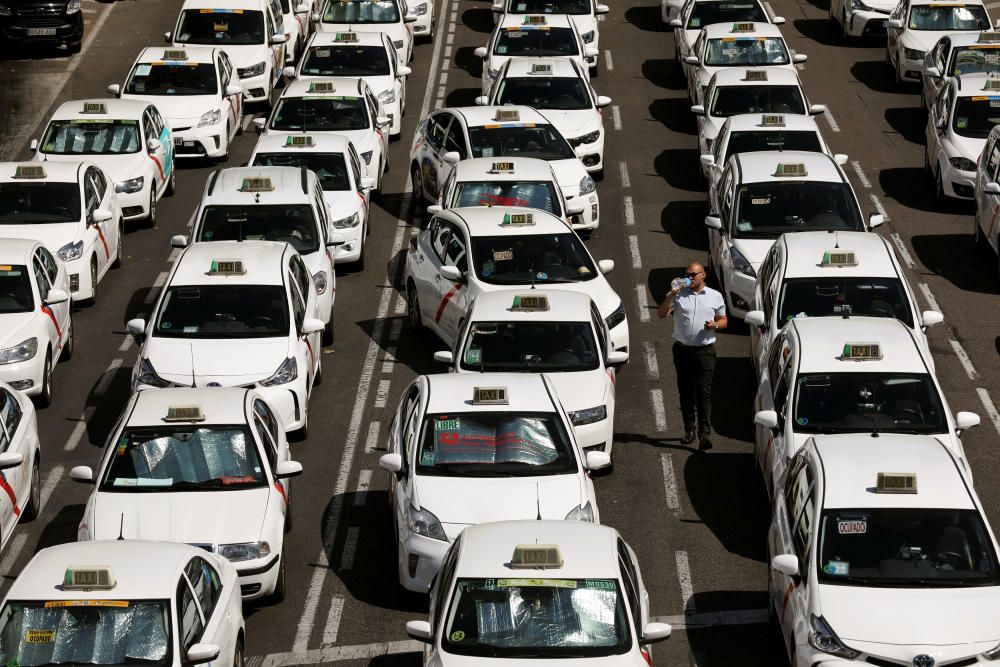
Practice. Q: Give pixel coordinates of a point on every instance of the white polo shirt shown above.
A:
(691, 310)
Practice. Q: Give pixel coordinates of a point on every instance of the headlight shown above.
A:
(253, 70)
(367, 157)
(147, 375)
(350, 221)
(71, 251)
(420, 9)
(210, 118)
(6, 11)
(72, 7)
(398, 43)
(387, 96)
(823, 638)
(130, 186)
(587, 185)
(319, 279)
(424, 523)
(616, 317)
(585, 139)
(588, 37)
(23, 351)
(589, 416)
(913, 54)
(741, 264)
(962, 163)
(585, 513)
(244, 551)
(287, 371)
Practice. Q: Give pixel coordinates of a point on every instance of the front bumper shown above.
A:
(590, 219)
(257, 88)
(424, 24)
(193, 141)
(592, 154)
(599, 434)
(910, 70)
(957, 183)
(738, 293)
(49, 29)
(619, 336)
(80, 286)
(864, 23)
(135, 205)
(419, 561)
(259, 577)
(26, 376)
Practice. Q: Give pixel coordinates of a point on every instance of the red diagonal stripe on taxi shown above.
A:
(158, 166)
(444, 302)
(5, 485)
(52, 316)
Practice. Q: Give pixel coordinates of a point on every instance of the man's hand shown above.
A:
(710, 325)
(668, 302)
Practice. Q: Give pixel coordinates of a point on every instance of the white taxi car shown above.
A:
(157, 603)
(558, 333)
(525, 181)
(392, 17)
(958, 54)
(19, 461)
(857, 375)
(854, 274)
(722, 45)
(916, 25)
(985, 228)
(296, 15)
(690, 16)
(449, 135)
(347, 107)
(584, 14)
(958, 123)
(468, 449)
(343, 177)
(367, 55)
(249, 31)
(72, 208)
(36, 318)
(515, 590)
(880, 553)
(172, 446)
(562, 92)
(861, 19)
(464, 252)
(128, 139)
(763, 195)
(533, 36)
(235, 314)
(197, 91)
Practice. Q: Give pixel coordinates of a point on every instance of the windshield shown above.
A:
(766, 210)
(707, 13)
(519, 140)
(223, 311)
(15, 290)
(323, 114)
(220, 26)
(361, 11)
(975, 59)
(184, 458)
(346, 61)
(944, 17)
(293, 224)
(86, 632)
(172, 78)
(91, 136)
(330, 168)
(531, 194)
(495, 444)
(549, 7)
(543, 618)
(732, 51)
(769, 140)
(868, 297)
(535, 41)
(975, 116)
(906, 547)
(531, 347)
(732, 100)
(39, 202)
(863, 402)
(525, 260)
(560, 93)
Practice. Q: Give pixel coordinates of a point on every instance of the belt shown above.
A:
(693, 347)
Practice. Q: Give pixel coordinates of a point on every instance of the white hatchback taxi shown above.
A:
(20, 460)
(392, 17)
(583, 13)
(916, 25)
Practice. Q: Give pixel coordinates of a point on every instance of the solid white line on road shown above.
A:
(633, 248)
(623, 170)
(991, 409)
(14, 550)
(350, 548)
(55, 476)
(371, 442)
(659, 412)
(963, 357)
(174, 253)
(616, 117)
(382, 393)
(670, 483)
(642, 302)
(109, 375)
(897, 240)
(332, 627)
(400, 305)
(931, 301)
(629, 211)
(877, 203)
(609, 64)
(364, 481)
(435, 59)
(126, 343)
(390, 360)
(395, 330)
(342, 653)
(709, 619)
(861, 174)
(154, 291)
(684, 580)
(652, 367)
(81, 427)
(828, 115)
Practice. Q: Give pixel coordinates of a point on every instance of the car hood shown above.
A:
(118, 167)
(244, 55)
(580, 390)
(12, 326)
(968, 147)
(569, 173)
(924, 40)
(584, 22)
(574, 123)
(52, 235)
(180, 111)
(254, 358)
(754, 249)
(343, 203)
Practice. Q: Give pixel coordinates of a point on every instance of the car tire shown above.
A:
(93, 281)
(328, 332)
(318, 378)
(359, 264)
(939, 194)
(67, 351)
(238, 655)
(172, 183)
(119, 252)
(151, 218)
(278, 596)
(416, 183)
(413, 308)
(34, 504)
(44, 399)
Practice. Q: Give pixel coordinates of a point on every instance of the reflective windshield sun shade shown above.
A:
(91, 137)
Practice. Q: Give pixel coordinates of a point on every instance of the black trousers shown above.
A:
(695, 368)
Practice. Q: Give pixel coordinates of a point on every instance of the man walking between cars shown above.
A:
(699, 312)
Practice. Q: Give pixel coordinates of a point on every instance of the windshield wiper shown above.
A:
(184, 485)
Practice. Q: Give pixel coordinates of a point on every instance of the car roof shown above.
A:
(559, 67)
(321, 143)
(760, 29)
(263, 261)
(761, 166)
(195, 54)
(452, 392)
(852, 461)
(967, 39)
(522, 21)
(523, 169)
(290, 184)
(344, 86)
(804, 254)
(220, 405)
(480, 116)
(588, 550)
(956, 3)
(974, 85)
(487, 220)
(737, 76)
(754, 121)
(142, 569)
(116, 108)
(16, 251)
(224, 4)
(564, 306)
(55, 171)
(362, 38)
(821, 340)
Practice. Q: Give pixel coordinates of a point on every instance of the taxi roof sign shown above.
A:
(791, 169)
(227, 267)
(839, 258)
(536, 557)
(756, 75)
(322, 87)
(861, 352)
(541, 68)
(175, 54)
(184, 413)
(88, 577)
(502, 168)
(94, 107)
(988, 37)
(514, 219)
(29, 171)
(346, 37)
(992, 84)
(299, 141)
(896, 482)
(743, 27)
(257, 184)
(772, 120)
(507, 115)
(534, 20)
(530, 302)
(489, 396)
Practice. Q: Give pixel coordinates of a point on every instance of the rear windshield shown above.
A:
(531, 347)
(707, 13)
(549, 7)
(733, 51)
(361, 11)
(220, 26)
(766, 210)
(39, 202)
(764, 140)
(223, 311)
(327, 113)
(530, 194)
(330, 168)
(560, 93)
(520, 140)
(868, 297)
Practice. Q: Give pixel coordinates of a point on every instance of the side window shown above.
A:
(393, 55)
(10, 413)
(49, 262)
(298, 301)
(372, 106)
(436, 128)
(206, 584)
(630, 582)
(91, 196)
(768, 291)
(717, 146)
(410, 424)
(355, 166)
(100, 183)
(41, 278)
(302, 276)
(270, 27)
(801, 509)
(781, 392)
(266, 416)
(148, 128)
(602, 335)
(723, 187)
(319, 203)
(994, 160)
(440, 233)
(774, 360)
(454, 140)
(455, 254)
(223, 76)
(189, 620)
(444, 577)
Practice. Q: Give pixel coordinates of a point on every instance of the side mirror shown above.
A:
(202, 653)
(617, 358)
(754, 318)
(896, 24)
(336, 239)
(11, 460)
(82, 474)
(676, 23)
(435, 208)
(451, 157)
(278, 38)
(964, 420)
(597, 460)
(482, 101)
(816, 109)
(367, 182)
(575, 207)
(100, 215)
(301, 8)
(178, 241)
(314, 17)
(136, 327)
(289, 72)
(153, 144)
(233, 89)
(404, 71)
(713, 222)
(56, 296)
(33, 146)
(786, 564)
(259, 124)
(933, 72)
(840, 158)
(875, 219)
(114, 90)
(606, 266)
(168, 37)
(698, 109)
(603, 101)
(799, 58)
(311, 325)
(419, 630)
(480, 52)
(766, 418)
(691, 60)
(444, 357)
(992, 188)
(497, 9)
(383, 121)
(601, 9)
(410, 18)
(655, 632)
(996, 24)
(778, 20)
(707, 160)
(391, 462)
(928, 318)
(286, 469)
(451, 273)
(590, 52)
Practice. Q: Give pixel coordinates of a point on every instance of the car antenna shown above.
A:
(531, 269)
(871, 415)
(836, 239)
(193, 382)
(538, 504)
(121, 527)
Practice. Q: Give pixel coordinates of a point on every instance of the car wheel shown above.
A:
(360, 263)
(67, 351)
(34, 505)
(416, 183)
(93, 281)
(279, 587)
(844, 35)
(413, 308)
(318, 378)
(939, 194)
(172, 183)
(119, 252)
(238, 655)
(899, 76)
(328, 332)
(44, 399)
(151, 218)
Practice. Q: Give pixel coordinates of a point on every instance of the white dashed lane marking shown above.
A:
(642, 303)
(659, 412)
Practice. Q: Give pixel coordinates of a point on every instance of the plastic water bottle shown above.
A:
(677, 283)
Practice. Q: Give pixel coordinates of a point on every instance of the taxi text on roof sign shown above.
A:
(536, 557)
(184, 413)
(227, 267)
(992, 84)
(29, 171)
(839, 258)
(299, 141)
(861, 352)
(742, 27)
(772, 120)
(988, 37)
(175, 54)
(792, 169)
(489, 396)
(322, 87)
(534, 20)
(346, 37)
(541, 68)
(507, 115)
(518, 219)
(503, 168)
(756, 75)
(896, 482)
(530, 302)
(261, 184)
(94, 107)
(88, 577)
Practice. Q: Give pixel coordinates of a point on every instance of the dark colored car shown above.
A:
(42, 22)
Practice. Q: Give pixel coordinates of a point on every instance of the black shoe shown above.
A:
(688, 437)
(704, 444)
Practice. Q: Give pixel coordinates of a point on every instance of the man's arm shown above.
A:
(668, 304)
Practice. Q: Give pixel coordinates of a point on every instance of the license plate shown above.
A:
(885, 23)
(178, 141)
(41, 32)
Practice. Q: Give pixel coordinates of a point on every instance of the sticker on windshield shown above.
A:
(322, 53)
(457, 636)
(39, 636)
(473, 355)
(56, 604)
(486, 152)
(744, 226)
(961, 122)
(802, 421)
(143, 70)
(757, 201)
(489, 268)
(853, 527)
(541, 275)
(165, 325)
(545, 583)
(503, 255)
(427, 458)
(447, 425)
(837, 567)
(601, 584)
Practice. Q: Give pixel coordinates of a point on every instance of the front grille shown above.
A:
(256, 92)
(180, 129)
(249, 589)
(207, 547)
(883, 663)
(196, 149)
(38, 22)
(129, 211)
